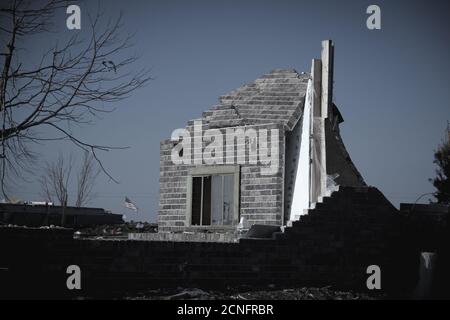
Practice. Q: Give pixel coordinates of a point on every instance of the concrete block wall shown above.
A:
(172, 190)
(275, 100)
(260, 196)
(332, 245)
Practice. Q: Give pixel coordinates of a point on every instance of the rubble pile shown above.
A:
(305, 293)
(118, 230)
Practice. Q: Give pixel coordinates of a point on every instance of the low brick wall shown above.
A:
(185, 236)
(333, 245)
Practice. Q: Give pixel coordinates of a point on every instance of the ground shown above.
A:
(304, 293)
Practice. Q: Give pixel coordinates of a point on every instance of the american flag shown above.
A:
(130, 205)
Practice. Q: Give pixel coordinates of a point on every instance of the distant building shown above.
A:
(33, 215)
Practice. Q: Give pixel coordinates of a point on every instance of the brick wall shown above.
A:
(332, 245)
(260, 195)
(274, 101)
(172, 190)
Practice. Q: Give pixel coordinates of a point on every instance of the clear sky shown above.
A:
(391, 85)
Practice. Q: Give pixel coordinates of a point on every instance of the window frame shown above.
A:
(211, 171)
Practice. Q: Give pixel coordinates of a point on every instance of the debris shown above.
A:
(189, 294)
(324, 293)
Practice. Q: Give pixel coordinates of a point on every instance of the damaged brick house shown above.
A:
(277, 151)
(269, 154)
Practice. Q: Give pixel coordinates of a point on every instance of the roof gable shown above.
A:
(276, 97)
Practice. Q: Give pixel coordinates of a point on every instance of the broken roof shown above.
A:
(276, 97)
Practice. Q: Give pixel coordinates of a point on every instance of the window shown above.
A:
(201, 201)
(214, 197)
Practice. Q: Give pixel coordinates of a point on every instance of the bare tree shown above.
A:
(56, 183)
(55, 180)
(71, 84)
(86, 178)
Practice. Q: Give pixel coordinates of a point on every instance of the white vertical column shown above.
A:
(311, 179)
(301, 200)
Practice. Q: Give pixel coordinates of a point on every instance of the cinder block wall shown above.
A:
(275, 100)
(260, 196)
(332, 245)
(172, 190)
